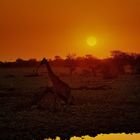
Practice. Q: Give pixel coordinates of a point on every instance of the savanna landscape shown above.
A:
(104, 101)
(69, 69)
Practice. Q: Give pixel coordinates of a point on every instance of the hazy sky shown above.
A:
(38, 28)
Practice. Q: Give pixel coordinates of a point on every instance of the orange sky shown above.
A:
(38, 28)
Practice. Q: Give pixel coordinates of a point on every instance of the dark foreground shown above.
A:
(113, 110)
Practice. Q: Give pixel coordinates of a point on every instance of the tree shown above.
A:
(92, 63)
(20, 62)
(32, 62)
(108, 69)
(136, 63)
(58, 61)
(121, 59)
(1, 63)
(71, 63)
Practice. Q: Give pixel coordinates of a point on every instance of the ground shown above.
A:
(114, 109)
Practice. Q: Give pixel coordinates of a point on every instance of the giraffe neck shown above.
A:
(51, 74)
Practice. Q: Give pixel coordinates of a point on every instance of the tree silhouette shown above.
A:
(71, 63)
(58, 61)
(120, 59)
(92, 63)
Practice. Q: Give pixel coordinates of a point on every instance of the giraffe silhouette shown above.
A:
(60, 88)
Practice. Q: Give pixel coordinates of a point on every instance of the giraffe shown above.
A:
(60, 88)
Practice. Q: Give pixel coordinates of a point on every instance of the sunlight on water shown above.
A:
(108, 137)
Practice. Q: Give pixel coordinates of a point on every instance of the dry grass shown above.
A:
(116, 109)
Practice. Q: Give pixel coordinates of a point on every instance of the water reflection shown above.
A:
(107, 137)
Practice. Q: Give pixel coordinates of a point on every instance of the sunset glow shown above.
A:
(36, 29)
(91, 41)
(70, 69)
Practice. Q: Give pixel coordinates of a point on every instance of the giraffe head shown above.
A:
(44, 61)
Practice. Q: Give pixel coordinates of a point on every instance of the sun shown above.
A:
(91, 41)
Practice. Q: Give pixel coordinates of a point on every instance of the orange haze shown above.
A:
(38, 28)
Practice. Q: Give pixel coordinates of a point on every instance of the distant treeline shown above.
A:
(119, 62)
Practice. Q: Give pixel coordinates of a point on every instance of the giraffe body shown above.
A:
(60, 88)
